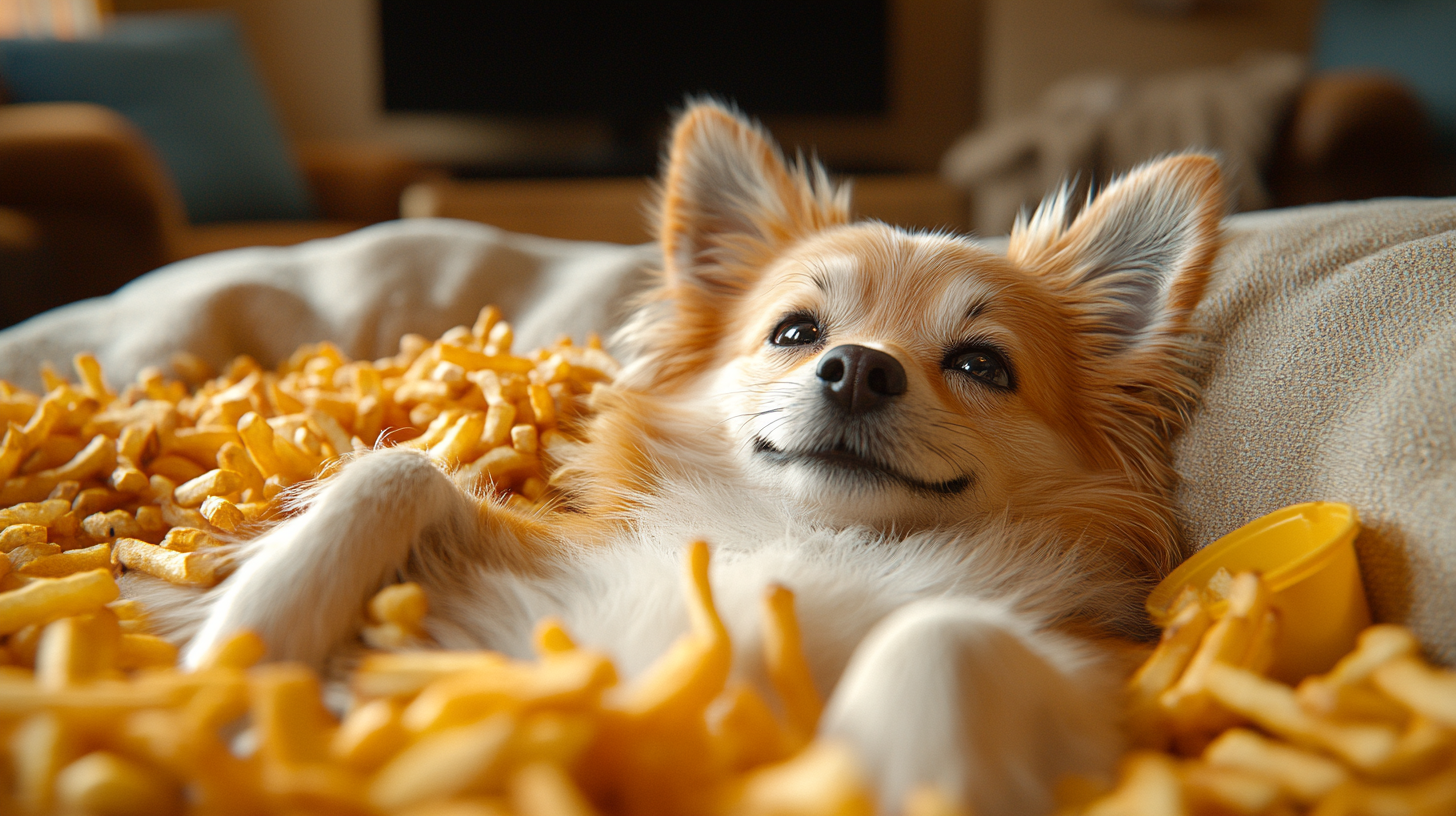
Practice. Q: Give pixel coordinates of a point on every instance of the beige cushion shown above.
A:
(1330, 374)
(1330, 371)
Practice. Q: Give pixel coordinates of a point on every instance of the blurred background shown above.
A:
(134, 133)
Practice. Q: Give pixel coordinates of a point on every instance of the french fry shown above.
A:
(524, 438)
(21, 535)
(544, 789)
(222, 514)
(293, 727)
(1162, 669)
(1273, 706)
(747, 732)
(178, 469)
(567, 680)
(241, 651)
(97, 500)
(680, 684)
(444, 763)
(201, 444)
(97, 556)
(188, 539)
(1187, 704)
(115, 524)
(1435, 796)
(370, 735)
(216, 482)
(102, 782)
(48, 599)
(552, 638)
(460, 439)
(929, 800)
(40, 747)
(21, 557)
(193, 568)
(77, 649)
(1211, 788)
(12, 450)
(257, 438)
(389, 675)
(787, 668)
(822, 780)
(401, 604)
(39, 513)
(1427, 691)
(1304, 775)
(142, 651)
(1148, 786)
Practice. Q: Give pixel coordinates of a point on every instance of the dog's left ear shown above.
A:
(1133, 264)
(729, 201)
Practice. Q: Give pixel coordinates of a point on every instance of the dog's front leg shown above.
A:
(303, 585)
(965, 695)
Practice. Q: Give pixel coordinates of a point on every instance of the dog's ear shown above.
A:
(1129, 270)
(1133, 264)
(729, 201)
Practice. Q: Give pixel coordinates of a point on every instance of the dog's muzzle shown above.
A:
(860, 379)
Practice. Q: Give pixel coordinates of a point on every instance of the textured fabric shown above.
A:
(1330, 375)
(186, 82)
(362, 291)
(1087, 128)
(1329, 372)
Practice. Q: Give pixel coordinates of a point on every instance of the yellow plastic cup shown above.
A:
(1306, 554)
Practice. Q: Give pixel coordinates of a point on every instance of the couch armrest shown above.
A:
(103, 207)
(81, 155)
(1352, 135)
(357, 181)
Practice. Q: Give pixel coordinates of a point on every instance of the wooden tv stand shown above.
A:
(617, 209)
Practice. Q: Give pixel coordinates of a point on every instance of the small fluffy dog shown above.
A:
(956, 459)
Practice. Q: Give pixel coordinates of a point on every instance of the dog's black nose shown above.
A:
(859, 378)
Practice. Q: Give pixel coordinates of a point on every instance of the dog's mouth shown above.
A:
(840, 459)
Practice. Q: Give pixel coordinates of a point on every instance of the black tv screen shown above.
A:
(627, 61)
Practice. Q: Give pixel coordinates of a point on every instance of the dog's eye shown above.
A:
(983, 363)
(796, 330)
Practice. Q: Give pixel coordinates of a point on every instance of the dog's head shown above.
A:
(907, 379)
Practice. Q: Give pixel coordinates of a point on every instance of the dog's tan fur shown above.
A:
(957, 577)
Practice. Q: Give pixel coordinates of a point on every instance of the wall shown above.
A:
(320, 63)
(953, 59)
(319, 60)
(1032, 43)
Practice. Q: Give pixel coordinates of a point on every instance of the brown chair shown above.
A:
(1352, 135)
(88, 204)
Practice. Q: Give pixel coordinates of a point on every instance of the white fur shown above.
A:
(1019, 706)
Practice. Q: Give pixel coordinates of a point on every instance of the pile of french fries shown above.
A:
(430, 733)
(1375, 736)
(159, 478)
(95, 716)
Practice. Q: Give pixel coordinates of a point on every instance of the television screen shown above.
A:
(627, 61)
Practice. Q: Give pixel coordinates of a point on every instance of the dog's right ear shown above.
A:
(729, 201)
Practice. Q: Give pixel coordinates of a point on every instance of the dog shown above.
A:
(958, 460)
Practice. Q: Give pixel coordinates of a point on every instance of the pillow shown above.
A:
(186, 82)
(1329, 374)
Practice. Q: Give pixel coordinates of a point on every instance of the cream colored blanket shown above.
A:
(1086, 128)
(1330, 372)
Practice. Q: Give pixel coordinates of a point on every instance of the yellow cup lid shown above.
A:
(1286, 547)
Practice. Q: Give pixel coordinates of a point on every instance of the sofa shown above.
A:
(1327, 373)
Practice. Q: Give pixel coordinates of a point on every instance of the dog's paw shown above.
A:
(963, 695)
